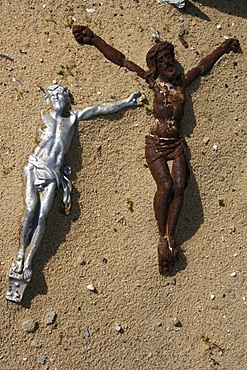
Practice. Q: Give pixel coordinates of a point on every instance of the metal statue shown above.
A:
(45, 172)
(165, 142)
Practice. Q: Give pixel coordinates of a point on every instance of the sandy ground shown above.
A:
(206, 294)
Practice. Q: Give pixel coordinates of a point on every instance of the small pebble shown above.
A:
(212, 296)
(206, 140)
(30, 326)
(86, 334)
(50, 318)
(215, 147)
(80, 261)
(90, 10)
(119, 328)
(233, 274)
(42, 360)
(36, 344)
(91, 287)
(177, 322)
(221, 203)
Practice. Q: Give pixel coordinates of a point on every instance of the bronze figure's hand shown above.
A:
(83, 34)
(232, 45)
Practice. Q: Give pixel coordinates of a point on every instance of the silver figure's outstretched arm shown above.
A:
(133, 100)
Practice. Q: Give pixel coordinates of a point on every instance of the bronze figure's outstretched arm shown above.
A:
(208, 61)
(85, 35)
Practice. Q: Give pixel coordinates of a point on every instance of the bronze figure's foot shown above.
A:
(175, 250)
(167, 255)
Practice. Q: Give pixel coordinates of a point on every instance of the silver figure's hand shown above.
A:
(136, 98)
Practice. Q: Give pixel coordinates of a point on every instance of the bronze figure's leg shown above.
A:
(168, 202)
(162, 198)
(179, 178)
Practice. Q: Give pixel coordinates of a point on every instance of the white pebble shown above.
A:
(215, 147)
(118, 328)
(90, 10)
(91, 287)
(233, 274)
(212, 296)
(219, 26)
(80, 261)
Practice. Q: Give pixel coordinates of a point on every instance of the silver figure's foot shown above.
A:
(17, 282)
(27, 274)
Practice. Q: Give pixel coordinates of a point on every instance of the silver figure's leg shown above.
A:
(46, 200)
(31, 204)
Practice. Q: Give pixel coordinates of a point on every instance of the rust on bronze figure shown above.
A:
(164, 143)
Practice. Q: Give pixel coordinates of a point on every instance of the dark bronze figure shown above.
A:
(165, 142)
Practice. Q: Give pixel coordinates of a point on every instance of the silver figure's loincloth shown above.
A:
(44, 175)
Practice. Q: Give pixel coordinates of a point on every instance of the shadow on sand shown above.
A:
(237, 8)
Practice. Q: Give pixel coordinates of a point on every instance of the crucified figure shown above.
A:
(45, 171)
(165, 142)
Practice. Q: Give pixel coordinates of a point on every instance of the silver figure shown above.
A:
(45, 172)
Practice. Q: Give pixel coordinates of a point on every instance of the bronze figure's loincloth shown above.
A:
(167, 148)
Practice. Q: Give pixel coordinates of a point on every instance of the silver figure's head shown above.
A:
(58, 93)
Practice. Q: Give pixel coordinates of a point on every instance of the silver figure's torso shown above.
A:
(55, 139)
